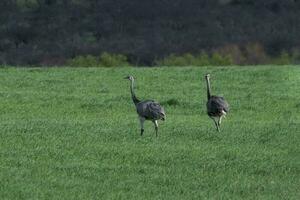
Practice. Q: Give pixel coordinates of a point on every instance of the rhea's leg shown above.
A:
(156, 127)
(142, 120)
(216, 123)
(220, 120)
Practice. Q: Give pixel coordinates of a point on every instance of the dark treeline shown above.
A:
(48, 32)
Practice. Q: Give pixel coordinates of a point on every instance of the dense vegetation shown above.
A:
(50, 32)
(74, 134)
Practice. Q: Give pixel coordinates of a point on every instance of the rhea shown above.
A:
(146, 110)
(217, 107)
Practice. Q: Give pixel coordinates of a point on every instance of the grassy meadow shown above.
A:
(73, 133)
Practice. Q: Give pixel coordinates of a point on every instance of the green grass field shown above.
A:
(74, 134)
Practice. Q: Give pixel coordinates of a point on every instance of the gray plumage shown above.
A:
(217, 107)
(147, 110)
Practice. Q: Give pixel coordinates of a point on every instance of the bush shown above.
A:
(202, 59)
(296, 56)
(255, 54)
(113, 60)
(284, 59)
(104, 60)
(83, 61)
(233, 51)
(218, 59)
(174, 60)
(249, 54)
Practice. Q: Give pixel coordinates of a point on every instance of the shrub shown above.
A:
(284, 59)
(218, 59)
(174, 60)
(83, 61)
(234, 52)
(202, 59)
(255, 54)
(295, 56)
(250, 54)
(112, 60)
(104, 60)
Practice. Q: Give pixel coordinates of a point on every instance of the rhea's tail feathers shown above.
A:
(163, 116)
(224, 113)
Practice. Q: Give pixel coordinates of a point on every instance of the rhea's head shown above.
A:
(207, 76)
(129, 78)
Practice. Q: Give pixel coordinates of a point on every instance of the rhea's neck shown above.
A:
(134, 99)
(208, 88)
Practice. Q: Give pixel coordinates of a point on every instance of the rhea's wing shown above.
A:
(223, 104)
(151, 110)
(156, 109)
(217, 105)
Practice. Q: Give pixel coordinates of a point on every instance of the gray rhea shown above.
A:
(146, 110)
(217, 107)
